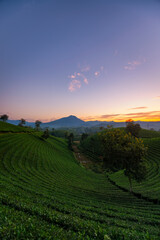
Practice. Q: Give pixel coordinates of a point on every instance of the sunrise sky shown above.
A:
(96, 59)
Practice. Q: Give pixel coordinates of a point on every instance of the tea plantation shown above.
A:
(46, 194)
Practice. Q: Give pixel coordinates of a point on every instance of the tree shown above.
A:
(84, 136)
(70, 137)
(37, 124)
(66, 134)
(122, 151)
(22, 122)
(133, 128)
(70, 140)
(4, 117)
(45, 134)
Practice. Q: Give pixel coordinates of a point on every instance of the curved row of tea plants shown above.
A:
(150, 187)
(7, 127)
(45, 194)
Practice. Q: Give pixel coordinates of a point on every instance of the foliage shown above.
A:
(149, 188)
(45, 134)
(70, 140)
(22, 122)
(4, 117)
(7, 127)
(45, 194)
(144, 133)
(133, 128)
(37, 124)
(84, 136)
(123, 151)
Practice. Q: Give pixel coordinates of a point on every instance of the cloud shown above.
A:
(134, 64)
(143, 116)
(96, 73)
(85, 69)
(157, 98)
(81, 77)
(137, 108)
(109, 115)
(85, 80)
(72, 76)
(74, 85)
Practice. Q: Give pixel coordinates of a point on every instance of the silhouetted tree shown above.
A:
(71, 137)
(37, 124)
(22, 122)
(70, 140)
(4, 117)
(84, 136)
(45, 134)
(133, 128)
(66, 135)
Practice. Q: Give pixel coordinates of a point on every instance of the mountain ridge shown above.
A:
(73, 122)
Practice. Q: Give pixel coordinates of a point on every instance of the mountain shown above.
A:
(71, 121)
(74, 122)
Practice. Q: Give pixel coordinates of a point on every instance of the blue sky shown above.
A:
(94, 59)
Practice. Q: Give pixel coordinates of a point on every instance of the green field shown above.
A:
(7, 127)
(151, 186)
(46, 194)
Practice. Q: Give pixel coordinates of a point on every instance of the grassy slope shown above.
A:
(144, 133)
(45, 194)
(7, 127)
(151, 186)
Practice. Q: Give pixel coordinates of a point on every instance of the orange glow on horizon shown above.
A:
(123, 120)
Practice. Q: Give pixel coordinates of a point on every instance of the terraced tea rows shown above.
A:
(45, 194)
(151, 186)
(7, 127)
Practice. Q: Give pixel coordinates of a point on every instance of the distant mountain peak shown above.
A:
(72, 116)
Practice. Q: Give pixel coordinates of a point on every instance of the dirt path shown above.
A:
(81, 158)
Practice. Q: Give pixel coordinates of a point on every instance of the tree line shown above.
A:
(120, 149)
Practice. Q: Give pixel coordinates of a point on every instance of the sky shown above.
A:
(96, 59)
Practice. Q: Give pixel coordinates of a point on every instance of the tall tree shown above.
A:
(70, 137)
(37, 124)
(122, 151)
(45, 133)
(133, 128)
(84, 136)
(22, 122)
(4, 117)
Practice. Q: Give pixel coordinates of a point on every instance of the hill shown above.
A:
(46, 194)
(7, 127)
(73, 122)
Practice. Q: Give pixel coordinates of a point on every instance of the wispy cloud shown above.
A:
(85, 69)
(96, 73)
(72, 76)
(74, 85)
(143, 116)
(136, 108)
(77, 79)
(85, 80)
(157, 98)
(109, 115)
(132, 65)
